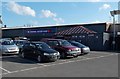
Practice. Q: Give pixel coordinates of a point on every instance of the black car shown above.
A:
(84, 49)
(40, 51)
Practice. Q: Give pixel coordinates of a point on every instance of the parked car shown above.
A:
(8, 47)
(84, 49)
(64, 47)
(40, 51)
(20, 43)
(5, 38)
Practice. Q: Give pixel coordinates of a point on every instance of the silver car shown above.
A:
(8, 47)
(84, 49)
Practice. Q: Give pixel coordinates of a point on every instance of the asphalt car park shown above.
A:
(94, 64)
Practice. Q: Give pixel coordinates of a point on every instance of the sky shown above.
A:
(16, 14)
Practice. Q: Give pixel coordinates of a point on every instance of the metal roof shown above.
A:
(75, 30)
(49, 26)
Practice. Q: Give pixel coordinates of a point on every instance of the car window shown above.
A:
(20, 42)
(53, 43)
(77, 44)
(42, 45)
(7, 43)
(27, 44)
(64, 43)
(32, 45)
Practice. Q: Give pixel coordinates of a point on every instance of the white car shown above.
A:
(8, 47)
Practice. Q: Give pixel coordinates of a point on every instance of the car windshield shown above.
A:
(20, 42)
(43, 45)
(7, 43)
(77, 44)
(65, 43)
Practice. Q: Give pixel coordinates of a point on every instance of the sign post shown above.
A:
(113, 13)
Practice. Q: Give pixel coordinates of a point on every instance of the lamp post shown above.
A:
(113, 13)
(114, 33)
(1, 22)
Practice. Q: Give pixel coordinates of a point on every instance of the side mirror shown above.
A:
(39, 47)
(57, 44)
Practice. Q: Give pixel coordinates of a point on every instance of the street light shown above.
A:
(1, 22)
(113, 13)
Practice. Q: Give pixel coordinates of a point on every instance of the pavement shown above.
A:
(94, 64)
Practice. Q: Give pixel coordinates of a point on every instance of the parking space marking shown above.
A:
(41, 64)
(103, 52)
(62, 60)
(97, 57)
(69, 61)
(5, 70)
(8, 56)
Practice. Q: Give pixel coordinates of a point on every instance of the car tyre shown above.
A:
(63, 55)
(75, 56)
(39, 59)
(22, 54)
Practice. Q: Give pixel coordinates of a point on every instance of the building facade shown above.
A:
(100, 40)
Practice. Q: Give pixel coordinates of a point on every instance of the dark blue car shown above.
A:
(40, 51)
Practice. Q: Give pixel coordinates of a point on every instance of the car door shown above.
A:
(55, 45)
(28, 49)
(32, 50)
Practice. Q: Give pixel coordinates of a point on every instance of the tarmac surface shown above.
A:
(94, 64)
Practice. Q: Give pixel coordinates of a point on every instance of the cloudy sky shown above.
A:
(54, 13)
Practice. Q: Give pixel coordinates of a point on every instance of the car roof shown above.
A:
(2, 40)
(51, 39)
(78, 43)
(37, 42)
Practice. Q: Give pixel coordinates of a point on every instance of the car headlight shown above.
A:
(58, 53)
(17, 48)
(46, 54)
(69, 50)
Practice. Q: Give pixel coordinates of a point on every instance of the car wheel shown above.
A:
(63, 55)
(75, 56)
(39, 59)
(23, 55)
(20, 50)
